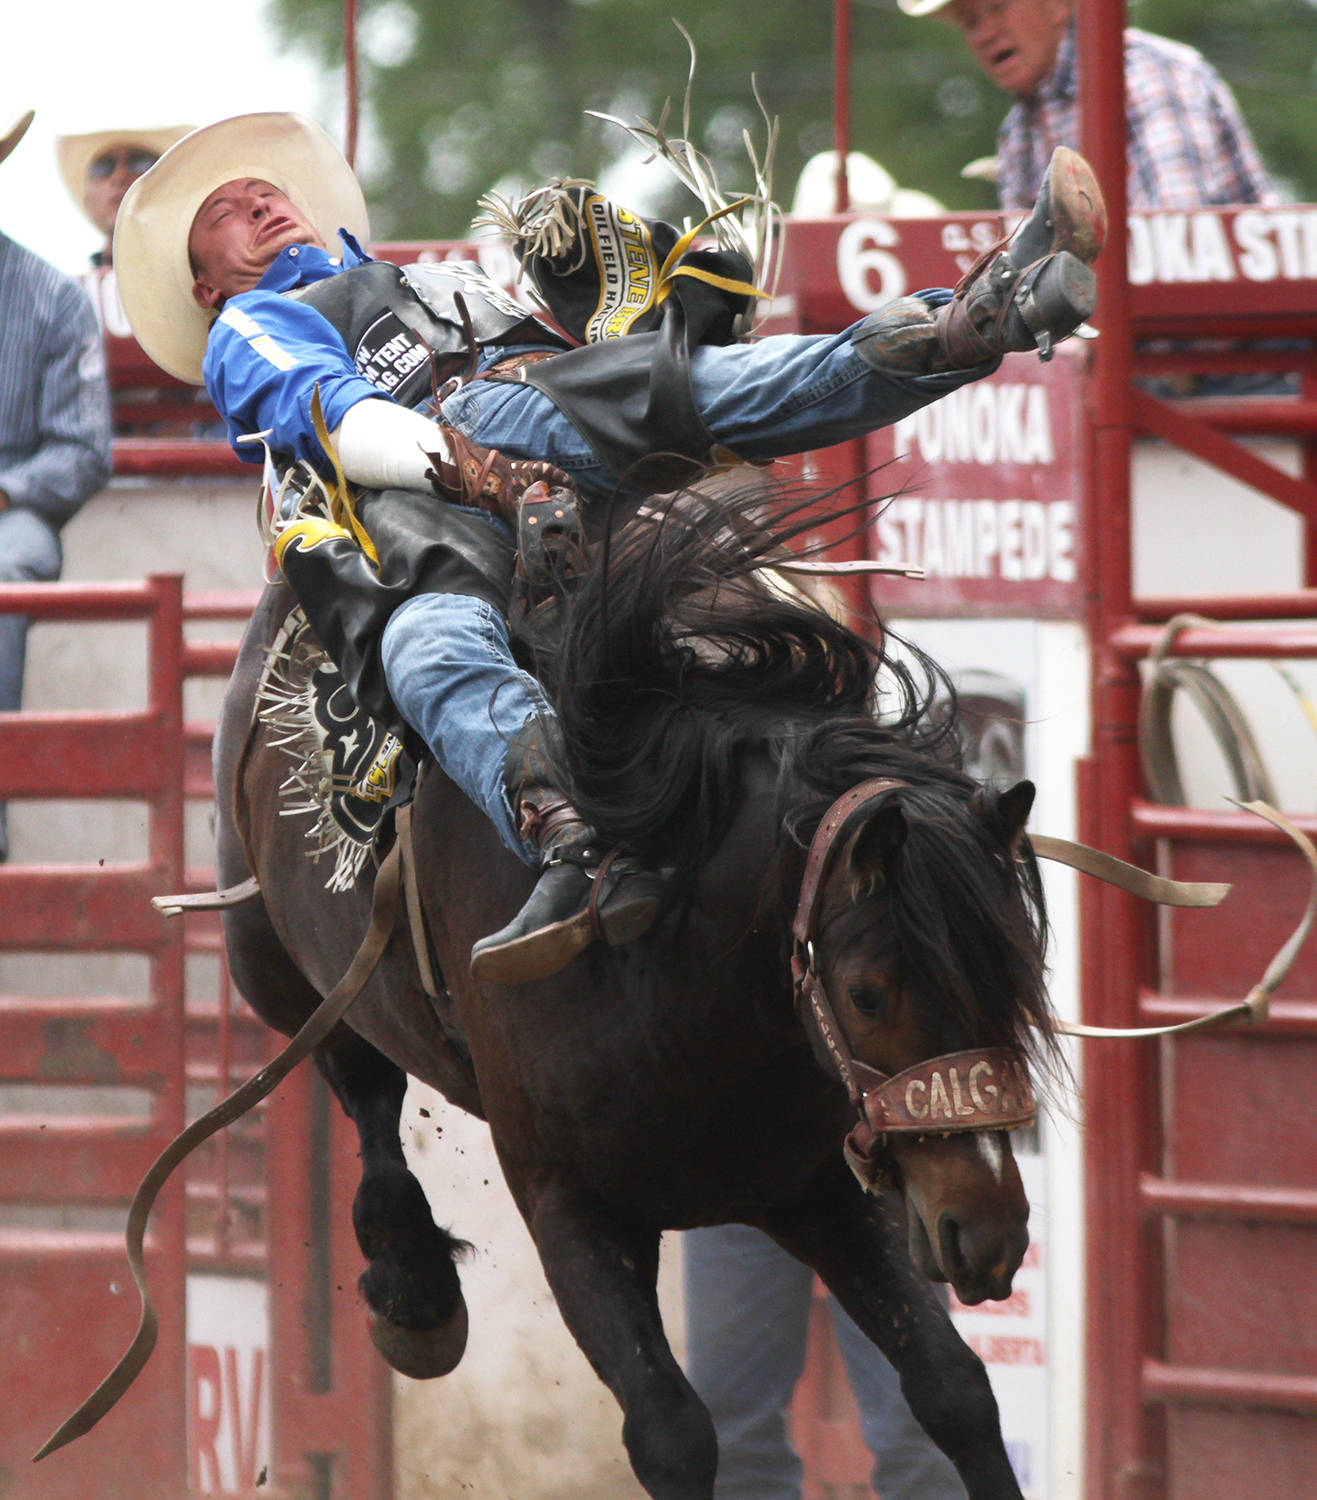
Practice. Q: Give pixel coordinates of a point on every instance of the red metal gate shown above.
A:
(94, 1085)
(1202, 1223)
(1202, 1149)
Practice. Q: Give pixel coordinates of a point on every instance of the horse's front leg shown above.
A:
(603, 1273)
(418, 1316)
(858, 1245)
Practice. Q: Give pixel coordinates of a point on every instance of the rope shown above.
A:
(1254, 1006)
(1254, 793)
(1219, 709)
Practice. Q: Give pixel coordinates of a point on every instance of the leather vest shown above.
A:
(393, 318)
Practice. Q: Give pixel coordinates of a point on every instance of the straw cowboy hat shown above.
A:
(14, 132)
(922, 7)
(982, 168)
(151, 236)
(75, 153)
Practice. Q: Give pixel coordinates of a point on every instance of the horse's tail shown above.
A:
(684, 645)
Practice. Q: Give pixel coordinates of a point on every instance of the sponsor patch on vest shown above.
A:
(388, 353)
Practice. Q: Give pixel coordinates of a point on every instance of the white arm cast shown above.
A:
(384, 446)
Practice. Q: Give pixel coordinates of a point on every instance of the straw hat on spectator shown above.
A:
(151, 237)
(14, 132)
(981, 169)
(75, 153)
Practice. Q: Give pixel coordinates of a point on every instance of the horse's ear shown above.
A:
(1013, 807)
(873, 847)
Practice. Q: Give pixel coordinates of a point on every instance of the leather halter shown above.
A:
(984, 1088)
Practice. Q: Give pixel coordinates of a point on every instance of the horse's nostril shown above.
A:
(950, 1250)
(979, 1265)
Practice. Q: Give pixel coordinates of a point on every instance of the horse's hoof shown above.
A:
(421, 1353)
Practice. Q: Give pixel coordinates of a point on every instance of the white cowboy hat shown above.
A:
(922, 7)
(14, 132)
(151, 236)
(75, 153)
(868, 185)
(870, 188)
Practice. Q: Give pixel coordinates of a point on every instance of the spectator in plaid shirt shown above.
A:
(1187, 146)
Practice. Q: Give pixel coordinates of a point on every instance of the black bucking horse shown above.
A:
(851, 952)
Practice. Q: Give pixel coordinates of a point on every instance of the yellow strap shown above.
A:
(669, 268)
(340, 496)
(725, 283)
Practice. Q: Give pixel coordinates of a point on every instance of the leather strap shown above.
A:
(1254, 1006)
(1131, 878)
(233, 895)
(820, 851)
(818, 568)
(323, 1019)
(510, 367)
(596, 893)
(979, 1089)
(982, 1088)
(411, 888)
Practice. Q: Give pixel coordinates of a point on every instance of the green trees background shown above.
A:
(457, 98)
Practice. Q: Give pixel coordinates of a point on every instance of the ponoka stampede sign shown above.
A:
(985, 487)
(988, 479)
(1254, 244)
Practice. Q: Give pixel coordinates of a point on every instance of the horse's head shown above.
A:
(927, 955)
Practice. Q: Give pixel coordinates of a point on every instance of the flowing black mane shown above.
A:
(681, 658)
(680, 653)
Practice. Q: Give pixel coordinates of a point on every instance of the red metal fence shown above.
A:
(1202, 1219)
(94, 1085)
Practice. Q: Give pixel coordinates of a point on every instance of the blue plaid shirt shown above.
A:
(1188, 144)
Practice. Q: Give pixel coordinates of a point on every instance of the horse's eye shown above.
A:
(868, 999)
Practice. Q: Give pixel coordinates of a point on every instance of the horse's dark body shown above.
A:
(670, 1083)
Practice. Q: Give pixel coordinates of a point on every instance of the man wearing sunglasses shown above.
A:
(99, 167)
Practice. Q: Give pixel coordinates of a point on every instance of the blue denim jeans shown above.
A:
(450, 672)
(747, 1322)
(30, 552)
(786, 394)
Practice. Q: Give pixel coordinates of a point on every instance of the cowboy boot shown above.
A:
(1038, 287)
(580, 896)
(1029, 292)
